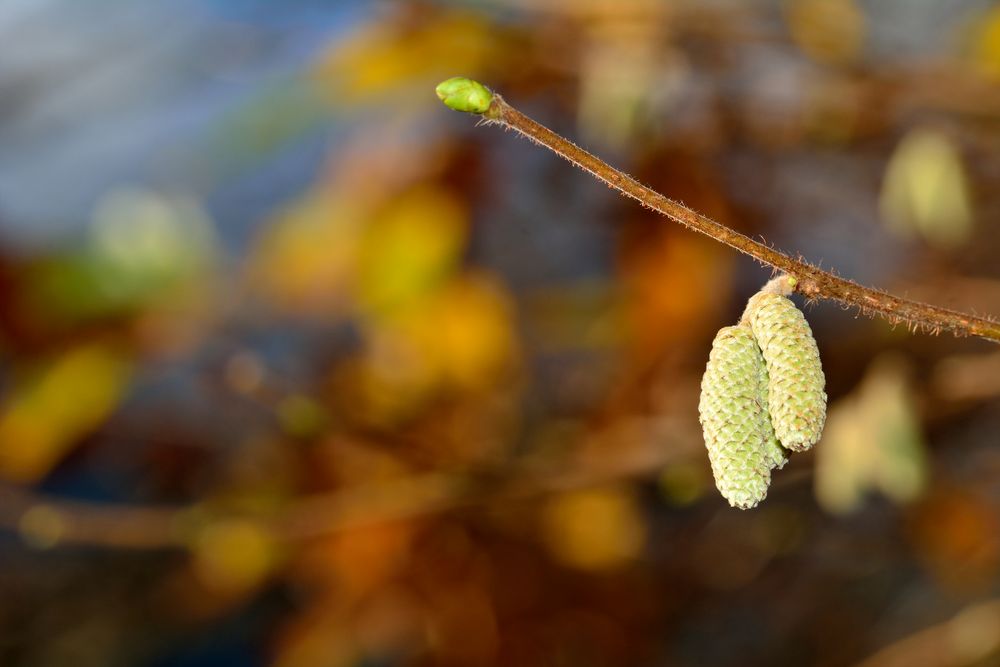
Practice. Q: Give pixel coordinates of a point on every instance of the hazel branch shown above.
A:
(811, 281)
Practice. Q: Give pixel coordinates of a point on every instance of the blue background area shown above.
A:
(97, 94)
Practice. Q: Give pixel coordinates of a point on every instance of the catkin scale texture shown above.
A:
(775, 455)
(734, 418)
(796, 399)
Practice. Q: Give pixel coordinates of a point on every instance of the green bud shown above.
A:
(462, 94)
(796, 398)
(733, 415)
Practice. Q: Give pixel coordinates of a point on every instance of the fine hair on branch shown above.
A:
(807, 279)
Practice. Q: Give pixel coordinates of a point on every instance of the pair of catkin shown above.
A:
(762, 396)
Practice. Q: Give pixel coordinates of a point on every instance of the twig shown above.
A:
(808, 280)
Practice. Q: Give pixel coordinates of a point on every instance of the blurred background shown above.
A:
(300, 368)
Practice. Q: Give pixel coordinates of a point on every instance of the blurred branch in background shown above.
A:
(51, 522)
(970, 638)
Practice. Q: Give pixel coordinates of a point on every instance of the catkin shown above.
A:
(775, 455)
(796, 399)
(733, 415)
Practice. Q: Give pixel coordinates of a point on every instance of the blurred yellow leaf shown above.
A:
(377, 60)
(872, 441)
(594, 529)
(986, 42)
(306, 259)
(232, 556)
(461, 336)
(469, 328)
(54, 405)
(831, 31)
(925, 190)
(409, 249)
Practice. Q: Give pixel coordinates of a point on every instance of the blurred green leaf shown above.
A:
(872, 442)
(925, 191)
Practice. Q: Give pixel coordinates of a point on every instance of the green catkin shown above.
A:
(775, 455)
(734, 418)
(796, 399)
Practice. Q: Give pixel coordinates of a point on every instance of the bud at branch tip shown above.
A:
(462, 94)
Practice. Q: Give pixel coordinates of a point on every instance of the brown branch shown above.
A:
(810, 281)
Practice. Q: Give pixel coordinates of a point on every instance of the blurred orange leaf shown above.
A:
(359, 561)
(666, 279)
(956, 533)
